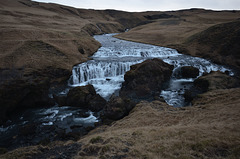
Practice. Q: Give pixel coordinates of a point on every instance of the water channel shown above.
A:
(106, 73)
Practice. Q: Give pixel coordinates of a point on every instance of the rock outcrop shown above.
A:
(21, 95)
(209, 82)
(118, 107)
(83, 97)
(146, 79)
(186, 72)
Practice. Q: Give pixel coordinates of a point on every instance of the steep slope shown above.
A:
(32, 33)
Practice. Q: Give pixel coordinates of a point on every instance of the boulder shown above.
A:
(212, 81)
(85, 97)
(23, 88)
(186, 72)
(146, 79)
(28, 129)
(216, 80)
(21, 95)
(61, 100)
(97, 103)
(118, 107)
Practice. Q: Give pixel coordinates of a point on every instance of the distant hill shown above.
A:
(220, 43)
(32, 32)
(205, 33)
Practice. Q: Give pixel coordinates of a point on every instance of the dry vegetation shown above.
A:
(167, 31)
(36, 36)
(43, 41)
(208, 129)
(173, 30)
(32, 37)
(187, 31)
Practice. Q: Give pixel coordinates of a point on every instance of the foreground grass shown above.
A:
(208, 129)
(156, 130)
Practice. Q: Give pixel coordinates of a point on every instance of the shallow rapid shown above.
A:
(109, 64)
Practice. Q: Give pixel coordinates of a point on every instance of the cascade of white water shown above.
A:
(106, 71)
(200, 63)
(99, 69)
(146, 51)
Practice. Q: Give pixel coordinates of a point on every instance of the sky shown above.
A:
(149, 5)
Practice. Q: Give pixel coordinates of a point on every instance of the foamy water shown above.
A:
(106, 71)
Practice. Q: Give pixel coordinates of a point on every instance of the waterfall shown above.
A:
(99, 69)
(106, 71)
(105, 76)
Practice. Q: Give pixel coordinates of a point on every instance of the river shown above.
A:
(106, 73)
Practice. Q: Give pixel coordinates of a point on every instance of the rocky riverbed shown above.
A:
(105, 75)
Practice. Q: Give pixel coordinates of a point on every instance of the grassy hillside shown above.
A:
(41, 42)
(220, 43)
(189, 32)
(45, 35)
(38, 35)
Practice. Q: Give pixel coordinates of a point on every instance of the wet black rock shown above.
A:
(211, 81)
(21, 95)
(25, 88)
(96, 103)
(80, 96)
(61, 100)
(146, 79)
(28, 129)
(84, 97)
(3, 150)
(118, 107)
(186, 72)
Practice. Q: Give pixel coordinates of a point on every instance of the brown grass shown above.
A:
(156, 130)
(57, 27)
(68, 30)
(208, 129)
(174, 32)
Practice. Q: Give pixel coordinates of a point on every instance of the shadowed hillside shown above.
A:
(196, 32)
(220, 43)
